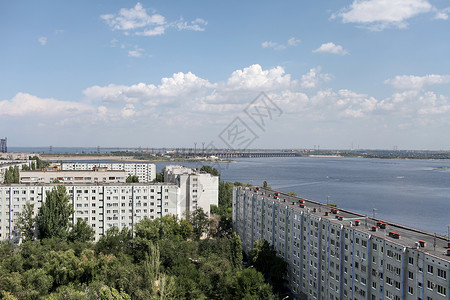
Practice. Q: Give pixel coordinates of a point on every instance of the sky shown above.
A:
(368, 74)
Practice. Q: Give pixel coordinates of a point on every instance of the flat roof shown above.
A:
(435, 245)
(123, 184)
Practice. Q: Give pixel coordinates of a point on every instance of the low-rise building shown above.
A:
(197, 189)
(338, 254)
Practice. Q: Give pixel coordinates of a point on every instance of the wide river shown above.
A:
(410, 192)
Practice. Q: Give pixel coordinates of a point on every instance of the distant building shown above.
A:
(338, 254)
(197, 189)
(3, 145)
(95, 176)
(146, 172)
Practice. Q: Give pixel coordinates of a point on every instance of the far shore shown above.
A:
(122, 158)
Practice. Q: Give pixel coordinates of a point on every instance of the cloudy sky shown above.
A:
(367, 73)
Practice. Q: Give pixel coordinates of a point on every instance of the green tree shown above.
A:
(264, 258)
(11, 175)
(199, 221)
(159, 177)
(81, 232)
(132, 178)
(26, 222)
(115, 241)
(52, 220)
(210, 170)
(236, 252)
(249, 284)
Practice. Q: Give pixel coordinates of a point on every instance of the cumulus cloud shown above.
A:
(23, 104)
(180, 84)
(411, 82)
(381, 14)
(42, 40)
(331, 48)
(292, 42)
(138, 21)
(314, 78)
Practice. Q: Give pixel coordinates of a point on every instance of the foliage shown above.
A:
(81, 232)
(52, 220)
(157, 260)
(132, 178)
(39, 163)
(293, 194)
(210, 170)
(159, 177)
(11, 175)
(25, 222)
(264, 258)
(199, 221)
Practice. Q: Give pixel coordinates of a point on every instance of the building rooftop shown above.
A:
(399, 234)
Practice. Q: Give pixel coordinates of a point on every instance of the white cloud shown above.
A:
(179, 85)
(441, 14)
(331, 48)
(23, 104)
(133, 18)
(313, 79)
(137, 21)
(411, 82)
(137, 52)
(128, 111)
(381, 14)
(196, 25)
(292, 42)
(42, 40)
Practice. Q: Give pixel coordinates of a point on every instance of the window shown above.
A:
(430, 269)
(442, 290)
(442, 273)
(411, 260)
(410, 275)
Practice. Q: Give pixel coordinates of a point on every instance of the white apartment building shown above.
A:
(338, 254)
(197, 189)
(102, 206)
(96, 176)
(146, 172)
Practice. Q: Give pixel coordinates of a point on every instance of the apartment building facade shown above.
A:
(102, 206)
(338, 254)
(146, 172)
(95, 176)
(197, 189)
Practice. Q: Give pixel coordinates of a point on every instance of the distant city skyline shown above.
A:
(371, 73)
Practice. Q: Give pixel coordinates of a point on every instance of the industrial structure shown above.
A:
(3, 146)
(338, 254)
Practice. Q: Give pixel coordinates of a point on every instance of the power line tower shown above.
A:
(3, 145)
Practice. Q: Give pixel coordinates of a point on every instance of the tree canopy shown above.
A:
(52, 220)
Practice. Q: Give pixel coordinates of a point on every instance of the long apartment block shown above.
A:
(102, 206)
(146, 172)
(338, 254)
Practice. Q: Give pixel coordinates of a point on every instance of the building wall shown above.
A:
(330, 259)
(72, 176)
(197, 189)
(146, 172)
(102, 206)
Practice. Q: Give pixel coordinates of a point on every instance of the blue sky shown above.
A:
(367, 73)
